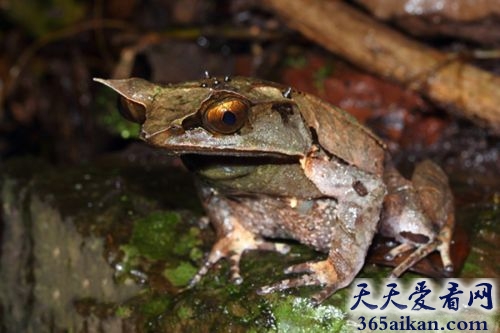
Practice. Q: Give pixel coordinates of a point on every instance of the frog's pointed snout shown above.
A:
(135, 97)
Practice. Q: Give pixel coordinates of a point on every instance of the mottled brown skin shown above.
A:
(277, 163)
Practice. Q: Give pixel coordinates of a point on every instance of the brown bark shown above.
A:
(456, 10)
(465, 89)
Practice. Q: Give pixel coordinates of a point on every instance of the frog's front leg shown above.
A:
(359, 198)
(418, 214)
(233, 237)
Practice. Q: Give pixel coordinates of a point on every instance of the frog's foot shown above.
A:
(419, 214)
(232, 246)
(445, 237)
(441, 243)
(320, 273)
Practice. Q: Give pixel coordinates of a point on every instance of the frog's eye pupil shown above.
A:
(226, 115)
(229, 118)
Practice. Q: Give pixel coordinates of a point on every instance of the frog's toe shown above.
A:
(305, 267)
(441, 244)
(421, 252)
(234, 262)
(310, 278)
(221, 250)
(398, 250)
(215, 255)
(301, 281)
(321, 273)
(445, 237)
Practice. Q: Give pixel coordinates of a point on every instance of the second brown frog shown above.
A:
(272, 162)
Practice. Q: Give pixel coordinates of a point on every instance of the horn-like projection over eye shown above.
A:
(225, 116)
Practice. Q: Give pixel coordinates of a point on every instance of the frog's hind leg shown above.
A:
(419, 214)
(436, 198)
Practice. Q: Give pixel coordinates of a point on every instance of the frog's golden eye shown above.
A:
(226, 116)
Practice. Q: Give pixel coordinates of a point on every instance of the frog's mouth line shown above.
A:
(231, 151)
(195, 161)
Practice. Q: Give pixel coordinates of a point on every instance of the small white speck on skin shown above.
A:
(56, 252)
(293, 202)
(85, 283)
(56, 294)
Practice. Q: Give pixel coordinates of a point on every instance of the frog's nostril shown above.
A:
(131, 110)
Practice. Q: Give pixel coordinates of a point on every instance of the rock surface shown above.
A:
(110, 247)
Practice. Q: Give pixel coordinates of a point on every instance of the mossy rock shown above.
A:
(111, 247)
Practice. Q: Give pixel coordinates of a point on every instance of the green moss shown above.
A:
(124, 312)
(299, 315)
(185, 313)
(180, 275)
(130, 257)
(188, 242)
(154, 235)
(156, 306)
(196, 254)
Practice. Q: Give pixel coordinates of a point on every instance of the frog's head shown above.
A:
(238, 116)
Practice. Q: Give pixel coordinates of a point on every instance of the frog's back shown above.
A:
(341, 134)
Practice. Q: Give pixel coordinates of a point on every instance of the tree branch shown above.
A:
(469, 91)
